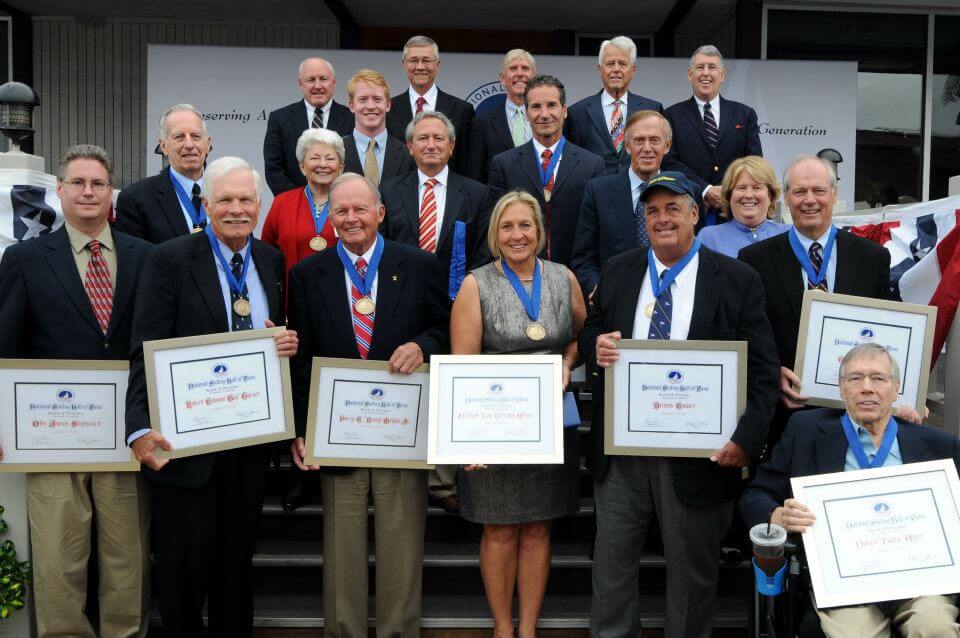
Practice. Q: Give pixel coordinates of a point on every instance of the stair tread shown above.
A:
(272, 507)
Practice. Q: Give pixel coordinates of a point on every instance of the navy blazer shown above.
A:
(460, 112)
(814, 443)
(467, 201)
(739, 137)
(149, 209)
(45, 311)
(519, 168)
(489, 137)
(728, 305)
(396, 160)
(284, 127)
(586, 126)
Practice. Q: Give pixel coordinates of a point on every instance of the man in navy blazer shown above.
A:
(317, 80)
(707, 151)
(502, 128)
(548, 166)
(819, 442)
(597, 122)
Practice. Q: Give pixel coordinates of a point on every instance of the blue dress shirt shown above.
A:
(729, 238)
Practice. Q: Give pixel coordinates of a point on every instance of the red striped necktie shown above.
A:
(428, 218)
(98, 286)
(362, 324)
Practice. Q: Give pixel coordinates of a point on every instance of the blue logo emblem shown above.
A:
(220, 370)
(496, 389)
(866, 334)
(64, 395)
(881, 509)
(675, 376)
(487, 97)
(376, 393)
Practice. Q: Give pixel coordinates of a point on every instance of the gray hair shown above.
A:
(176, 108)
(621, 42)
(350, 177)
(518, 53)
(323, 136)
(421, 41)
(85, 151)
(871, 350)
(831, 171)
(219, 168)
(436, 115)
(303, 63)
(545, 80)
(708, 50)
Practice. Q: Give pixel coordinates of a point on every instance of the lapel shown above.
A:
(621, 203)
(727, 117)
(401, 105)
(204, 272)
(568, 163)
(527, 158)
(831, 444)
(847, 262)
(269, 277)
(392, 156)
(64, 267)
(626, 310)
(501, 127)
(444, 103)
(595, 111)
(170, 204)
(389, 283)
(298, 116)
(337, 117)
(351, 157)
(692, 111)
(126, 270)
(706, 297)
(788, 270)
(334, 294)
(451, 208)
(409, 198)
(912, 447)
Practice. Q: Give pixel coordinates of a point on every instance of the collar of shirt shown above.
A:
(185, 182)
(540, 148)
(866, 440)
(363, 141)
(512, 109)
(430, 96)
(441, 177)
(368, 255)
(806, 242)
(228, 252)
(636, 182)
(714, 106)
(686, 277)
(310, 110)
(607, 100)
(79, 240)
(746, 229)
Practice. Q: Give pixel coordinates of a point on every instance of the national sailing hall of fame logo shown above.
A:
(220, 370)
(881, 509)
(867, 335)
(496, 389)
(487, 97)
(675, 376)
(64, 395)
(376, 394)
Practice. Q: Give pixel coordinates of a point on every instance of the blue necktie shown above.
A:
(662, 311)
(816, 258)
(642, 238)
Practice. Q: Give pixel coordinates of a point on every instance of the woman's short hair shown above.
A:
(757, 168)
(515, 197)
(323, 136)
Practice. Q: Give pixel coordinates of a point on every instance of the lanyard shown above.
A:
(656, 284)
(319, 219)
(238, 286)
(545, 175)
(361, 283)
(531, 302)
(803, 257)
(889, 436)
(198, 217)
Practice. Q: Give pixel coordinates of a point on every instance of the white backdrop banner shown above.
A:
(802, 107)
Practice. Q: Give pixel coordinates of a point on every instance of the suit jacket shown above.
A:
(460, 112)
(45, 311)
(180, 296)
(412, 305)
(489, 136)
(519, 168)
(739, 136)
(727, 306)
(586, 126)
(149, 209)
(467, 201)
(284, 127)
(814, 443)
(863, 269)
(396, 160)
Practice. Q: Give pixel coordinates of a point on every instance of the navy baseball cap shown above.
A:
(672, 181)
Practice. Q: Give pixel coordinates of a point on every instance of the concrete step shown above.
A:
(272, 507)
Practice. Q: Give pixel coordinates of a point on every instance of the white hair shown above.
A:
(870, 350)
(350, 177)
(708, 50)
(621, 42)
(323, 136)
(436, 115)
(177, 108)
(219, 168)
(421, 41)
(304, 63)
(831, 170)
(512, 54)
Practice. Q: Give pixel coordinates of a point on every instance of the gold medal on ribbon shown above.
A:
(318, 243)
(546, 195)
(365, 306)
(648, 310)
(242, 307)
(195, 229)
(536, 332)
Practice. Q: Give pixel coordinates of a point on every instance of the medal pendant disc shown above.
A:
(241, 307)
(546, 195)
(365, 306)
(318, 243)
(536, 332)
(648, 310)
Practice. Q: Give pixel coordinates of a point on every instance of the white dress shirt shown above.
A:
(607, 100)
(439, 193)
(682, 289)
(806, 242)
(430, 96)
(325, 110)
(540, 148)
(187, 184)
(259, 308)
(346, 276)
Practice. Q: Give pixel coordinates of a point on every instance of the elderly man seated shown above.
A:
(817, 442)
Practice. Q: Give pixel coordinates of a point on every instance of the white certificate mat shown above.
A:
(494, 409)
(218, 392)
(64, 416)
(882, 534)
(673, 398)
(831, 325)
(361, 415)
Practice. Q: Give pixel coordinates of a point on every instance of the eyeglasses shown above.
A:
(79, 185)
(856, 380)
(419, 61)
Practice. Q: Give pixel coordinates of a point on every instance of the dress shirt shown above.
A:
(325, 110)
(346, 277)
(78, 243)
(260, 309)
(607, 100)
(636, 186)
(511, 110)
(806, 242)
(439, 193)
(729, 238)
(682, 289)
(540, 148)
(379, 147)
(866, 440)
(430, 96)
(715, 107)
(187, 185)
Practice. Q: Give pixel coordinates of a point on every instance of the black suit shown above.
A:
(460, 112)
(587, 126)
(396, 160)
(149, 209)
(206, 507)
(490, 135)
(466, 200)
(284, 127)
(519, 168)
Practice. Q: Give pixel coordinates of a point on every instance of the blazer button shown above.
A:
(716, 169)
(106, 346)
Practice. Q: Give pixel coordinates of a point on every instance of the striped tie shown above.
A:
(362, 324)
(710, 124)
(816, 258)
(317, 118)
(616, 126)
(98, 286)
(428, 217)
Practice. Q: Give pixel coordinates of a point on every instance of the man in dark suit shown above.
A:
(819, 442)
(710, 131)
(167, 205)
(710, 297)
(206, 508)
(500, 129)
(597, 122)
(317, 80)
(549, 167)
(611, 214)
(370, 150)
(372, 299)
(69, 295)
(421, 62)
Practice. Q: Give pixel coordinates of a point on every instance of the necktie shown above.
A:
(362, 324)
(518, 129)
(197, 204)
(816, 258)
(616, 126)
(238, 321)
(98, 286)
(662, 312)
(428, 218)
(710, 124)
(420, 102)
(370, 168)
(317, 118)
(544, 163)
(642, 238)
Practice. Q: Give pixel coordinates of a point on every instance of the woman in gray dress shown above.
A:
(515, 305)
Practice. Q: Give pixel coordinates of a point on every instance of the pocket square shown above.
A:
(738, 126)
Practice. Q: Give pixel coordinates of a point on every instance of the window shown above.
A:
(945, 133)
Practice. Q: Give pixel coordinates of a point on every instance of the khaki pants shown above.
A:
(442, 480)
(61, 507)
(923, 617)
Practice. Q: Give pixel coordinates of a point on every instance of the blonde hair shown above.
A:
(514, 197)
(370, 77)
(757, 168)
(647, 114)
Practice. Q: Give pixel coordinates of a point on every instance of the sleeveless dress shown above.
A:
(512, 494)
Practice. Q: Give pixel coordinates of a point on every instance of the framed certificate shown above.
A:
(882, 534)
(64, 416)
(219, 391)
(831, 324)
(673, 398)
(494, 409)
(361, 415)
